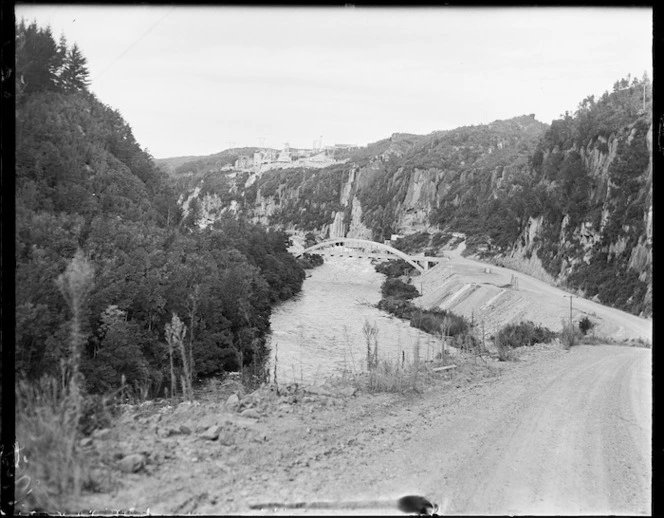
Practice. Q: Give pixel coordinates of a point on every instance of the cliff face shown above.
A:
(570, 203)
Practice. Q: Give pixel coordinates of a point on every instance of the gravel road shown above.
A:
(561, 433)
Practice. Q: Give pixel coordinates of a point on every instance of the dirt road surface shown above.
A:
(557, 432)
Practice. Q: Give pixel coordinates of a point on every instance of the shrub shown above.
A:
(585, 325)
(399, 289)
(524, 333)
(397, 307)
(310, 261)
(393, 269)
(431, 320)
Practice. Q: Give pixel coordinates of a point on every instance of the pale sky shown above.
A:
(197, 80)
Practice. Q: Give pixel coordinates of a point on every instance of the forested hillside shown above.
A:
(84, 184)
(570, 202)
(592, 193)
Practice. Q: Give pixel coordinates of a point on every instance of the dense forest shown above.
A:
(97, 221)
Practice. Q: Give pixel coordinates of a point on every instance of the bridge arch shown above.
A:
(363, 243)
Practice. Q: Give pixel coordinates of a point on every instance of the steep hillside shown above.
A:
(391, 185)
(93, 208)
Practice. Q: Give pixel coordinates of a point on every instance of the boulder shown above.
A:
(212, 433)
(233, 402)
(165, 432)
(132, 463)
(226, 438)
(102, 435)
(251, 412)
(348, 391)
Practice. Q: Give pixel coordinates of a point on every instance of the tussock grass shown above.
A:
(569, 335)
(48, 415)
(505, 352)
(399, 375)
(52, 465)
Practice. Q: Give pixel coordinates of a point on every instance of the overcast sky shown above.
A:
(197, 80)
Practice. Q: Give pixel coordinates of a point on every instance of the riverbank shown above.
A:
(448, 443)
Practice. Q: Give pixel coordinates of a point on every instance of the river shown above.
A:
(319, 333)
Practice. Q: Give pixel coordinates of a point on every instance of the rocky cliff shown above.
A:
(570, 203)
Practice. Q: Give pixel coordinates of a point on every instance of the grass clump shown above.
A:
(569, 335)
(505, 352)
(400, 375)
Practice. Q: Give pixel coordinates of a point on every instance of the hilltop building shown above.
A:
(345, 147)
(244, 162)
(284, 155)
(267, 159)
(265, 156)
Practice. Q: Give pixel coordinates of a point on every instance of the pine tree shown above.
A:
(62, 55)
(75, 74)
(38, 59)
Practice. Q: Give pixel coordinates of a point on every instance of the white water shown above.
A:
(319, 333)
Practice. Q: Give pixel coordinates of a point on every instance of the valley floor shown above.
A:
(557, 432)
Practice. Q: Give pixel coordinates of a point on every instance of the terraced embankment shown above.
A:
(486, 292)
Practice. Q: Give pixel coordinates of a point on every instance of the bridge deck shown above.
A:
(353, 247)
(376, 255)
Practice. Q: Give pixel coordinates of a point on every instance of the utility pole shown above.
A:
(483, 338)
(570, 310)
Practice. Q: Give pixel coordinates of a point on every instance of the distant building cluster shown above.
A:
(318, 156)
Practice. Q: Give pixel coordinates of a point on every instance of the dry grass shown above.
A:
(384, 375)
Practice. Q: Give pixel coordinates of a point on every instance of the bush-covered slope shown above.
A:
(593, 172)
(84, 183)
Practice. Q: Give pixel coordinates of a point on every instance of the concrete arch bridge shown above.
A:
(353, 247)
